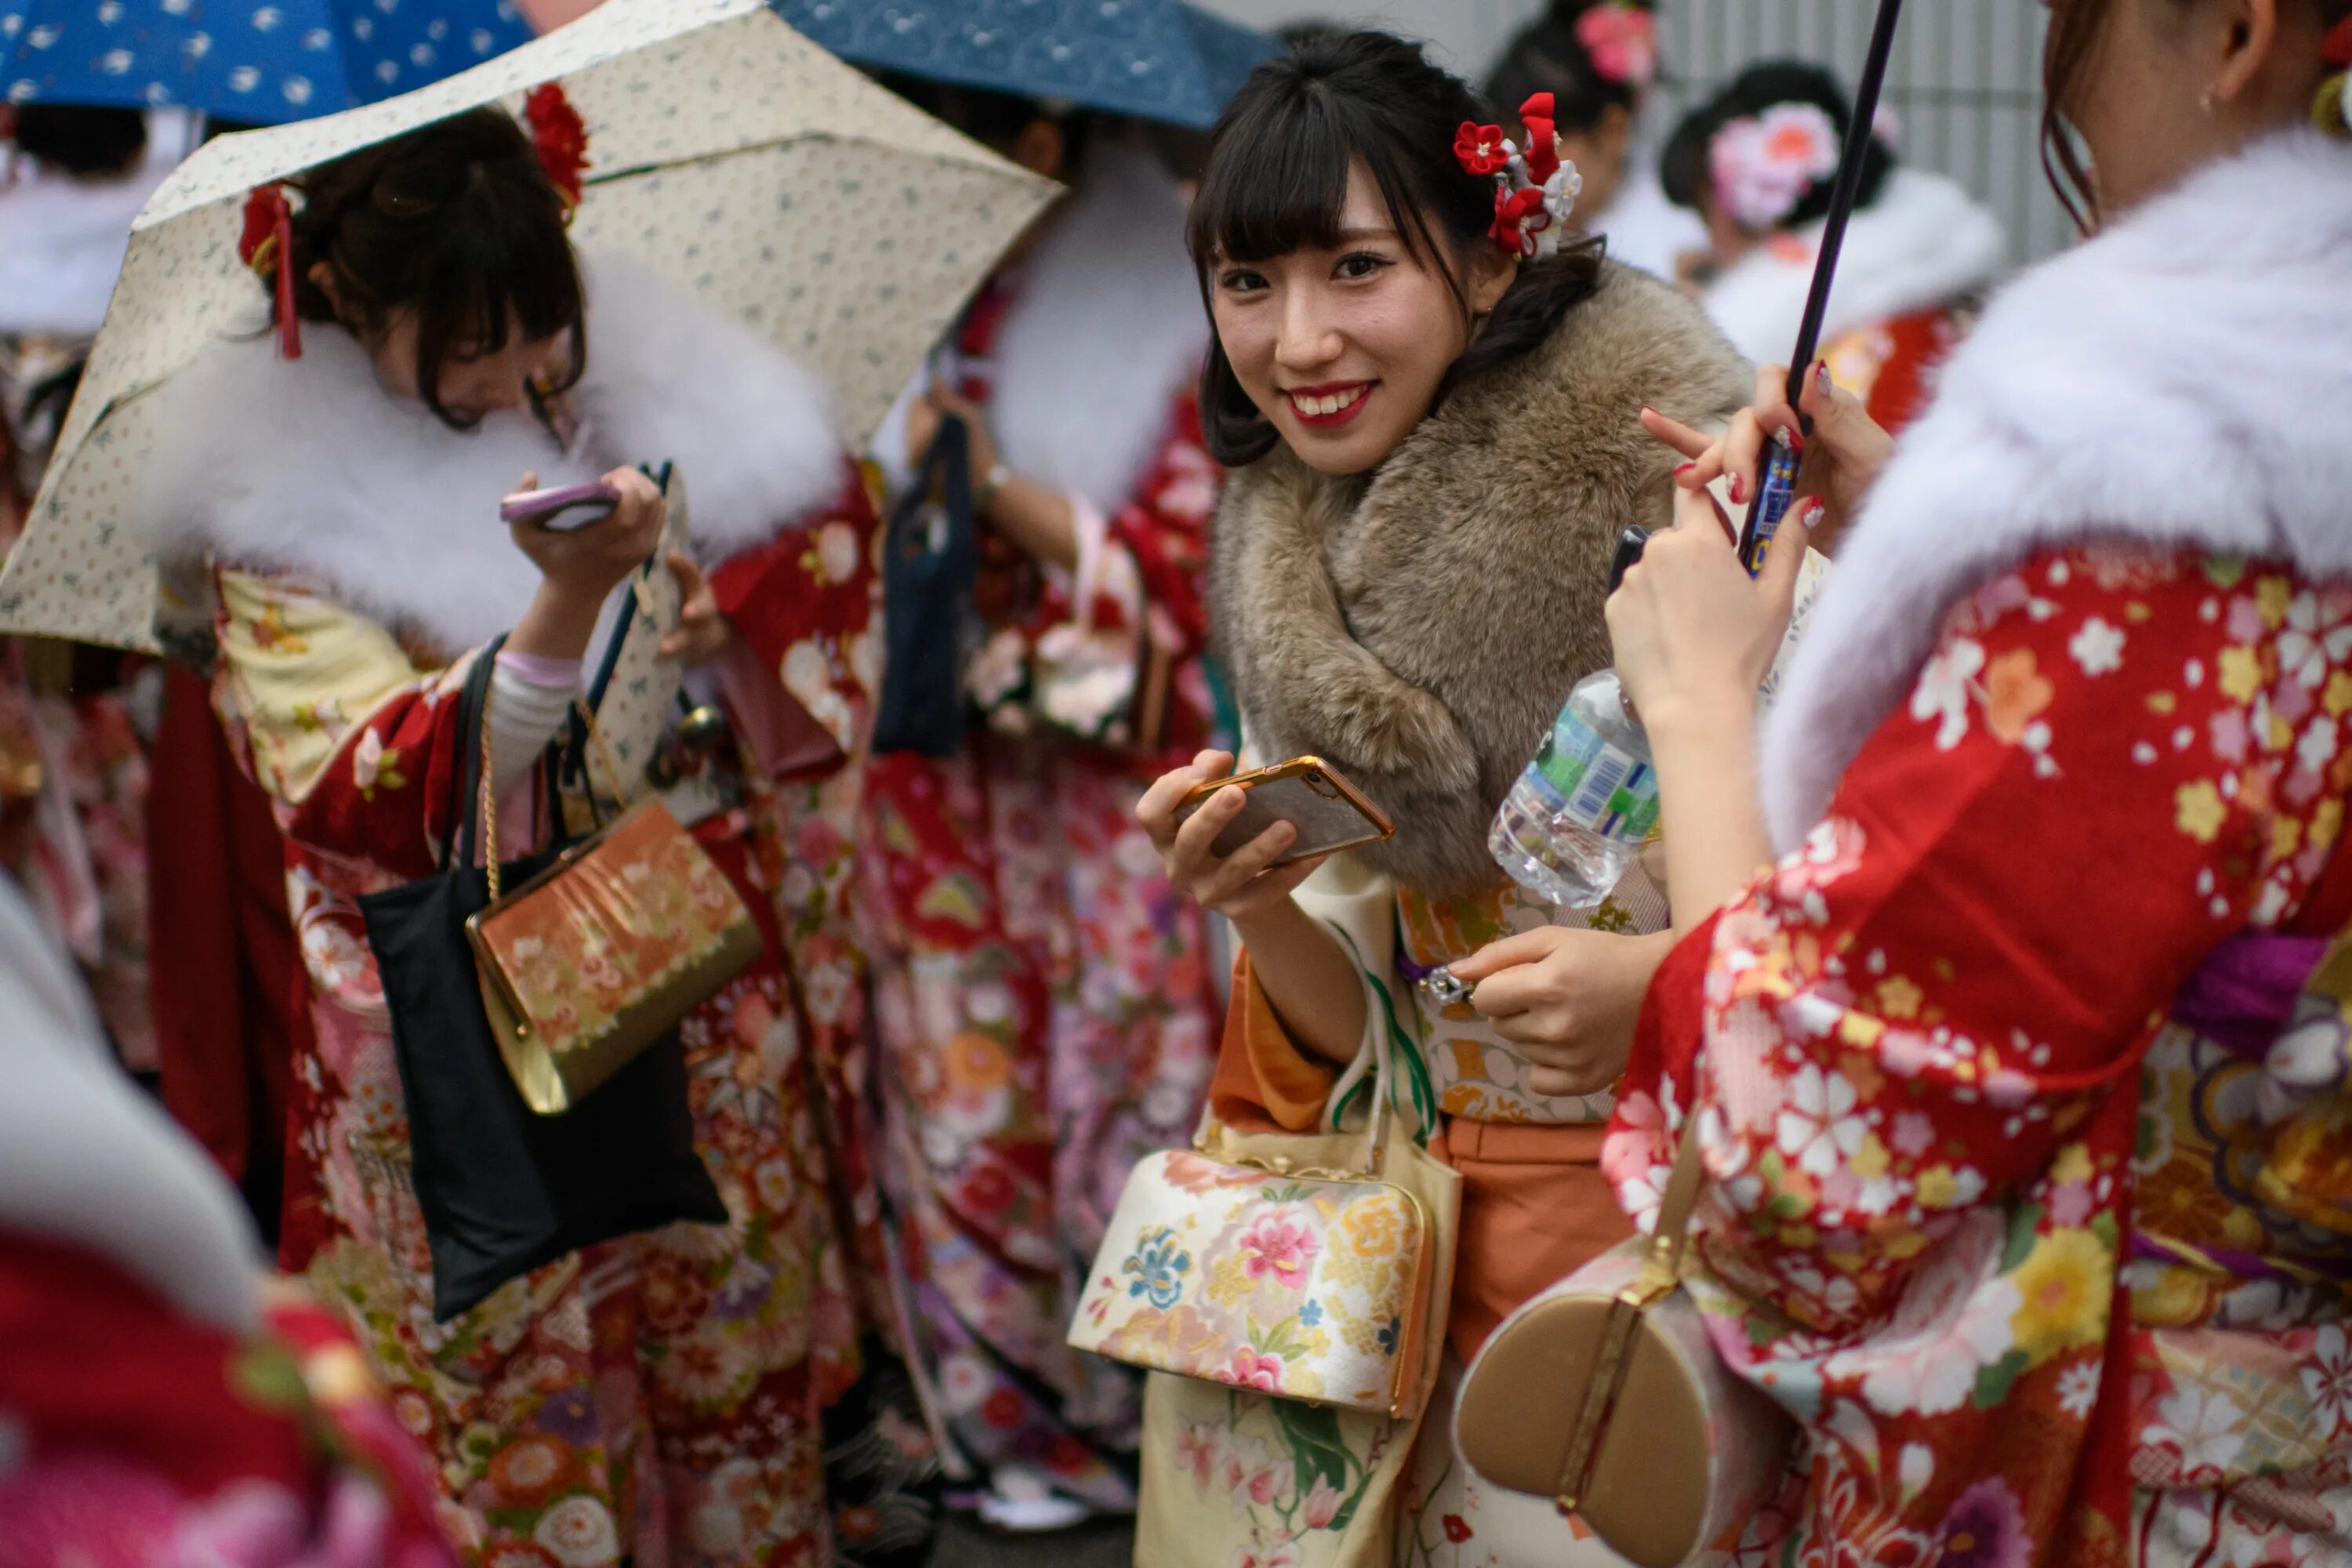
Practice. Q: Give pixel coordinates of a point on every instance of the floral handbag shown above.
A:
(1604, 1394)
(1103, 684)
(1306, 1267)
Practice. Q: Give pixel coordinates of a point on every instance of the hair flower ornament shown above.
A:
(267, 247)
(1621, 39)
(1535, 191)
(2333, 111)
(561, 139)
(1762, 166)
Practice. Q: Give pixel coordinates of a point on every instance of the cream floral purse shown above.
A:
(1240, 1461)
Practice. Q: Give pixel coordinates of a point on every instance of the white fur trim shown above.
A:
(2181, 381)
(65, 236)
(86, 1158)
(1924, 242)
(310, 467)
(1107, 326)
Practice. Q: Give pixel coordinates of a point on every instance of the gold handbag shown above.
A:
(600, 954)
(1604, 1393)
(1289, 1265)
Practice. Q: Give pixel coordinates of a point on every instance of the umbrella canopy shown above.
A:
(1151, 59)
(726, 151)
(263, 62)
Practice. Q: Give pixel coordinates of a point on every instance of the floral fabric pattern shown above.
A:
(1314, 1279)
(1046, 1005)
(1933, 1147)
(662, 1398)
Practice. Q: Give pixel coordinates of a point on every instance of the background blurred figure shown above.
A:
(75, 724)
(1599, 59)
(1757, 162)
(160, 1403)
(1047, 1002)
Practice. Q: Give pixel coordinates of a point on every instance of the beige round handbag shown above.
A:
(1604, 1394)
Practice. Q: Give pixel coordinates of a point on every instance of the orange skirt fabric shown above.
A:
(1535, 1208)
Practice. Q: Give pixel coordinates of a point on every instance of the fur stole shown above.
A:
(1419, 629)
(1107, 326)
(309, 466)
(1923, 243)
(2180, 382)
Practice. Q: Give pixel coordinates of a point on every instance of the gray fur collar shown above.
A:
(1419, 630)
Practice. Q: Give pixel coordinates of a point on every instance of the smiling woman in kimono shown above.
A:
(2019, 1081)
(664, 1396)
(1436, 446)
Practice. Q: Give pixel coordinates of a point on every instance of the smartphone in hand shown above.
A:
(1329, 812)
(563, 509)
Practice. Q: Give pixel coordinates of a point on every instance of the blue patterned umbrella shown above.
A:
(1154, 60)
(260, 61)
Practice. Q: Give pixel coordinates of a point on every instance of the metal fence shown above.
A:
(1964, 85)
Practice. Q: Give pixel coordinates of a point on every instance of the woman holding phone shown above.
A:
(2019, 1082)
(674, 1396)
(1437, 451)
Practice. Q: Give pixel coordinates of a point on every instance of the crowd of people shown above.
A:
(1994, 966)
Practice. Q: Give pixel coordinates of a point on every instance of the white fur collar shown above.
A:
(86, 1158)
(310, 466)
(2182, 380)
(1107, 326)
(1923, 243)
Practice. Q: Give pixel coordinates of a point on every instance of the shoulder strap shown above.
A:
(465, 778)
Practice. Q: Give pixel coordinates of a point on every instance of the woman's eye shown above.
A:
(1362, 264)
(1240, 282)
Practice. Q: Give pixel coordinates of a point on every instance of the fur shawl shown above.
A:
(1419, 629)
(2181, 381)
(310, 467)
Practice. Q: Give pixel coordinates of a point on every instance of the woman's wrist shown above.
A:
(559, 625)
(1702, 713)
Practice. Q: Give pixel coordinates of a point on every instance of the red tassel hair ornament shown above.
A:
(561, 138)
(267, 247)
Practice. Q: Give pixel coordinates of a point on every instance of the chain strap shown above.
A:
(489, 797)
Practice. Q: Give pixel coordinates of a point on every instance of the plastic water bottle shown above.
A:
(1570, 826)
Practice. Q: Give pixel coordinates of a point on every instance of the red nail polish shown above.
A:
(1739, 488)
(1685, 470)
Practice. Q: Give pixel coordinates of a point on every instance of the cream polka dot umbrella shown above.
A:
(725, 150)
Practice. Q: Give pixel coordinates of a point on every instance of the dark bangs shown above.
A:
(1277, 175)
(457, 222)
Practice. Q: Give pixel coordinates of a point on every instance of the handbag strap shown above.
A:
(465, 781)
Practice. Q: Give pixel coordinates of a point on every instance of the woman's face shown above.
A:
(2171, 84)
(1342, 350)
(473, 384)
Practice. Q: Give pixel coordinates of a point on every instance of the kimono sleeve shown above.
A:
(2111, 764)
(356, 747)
(806, 603)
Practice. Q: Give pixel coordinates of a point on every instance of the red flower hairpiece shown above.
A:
(561, 138)
(1481, 149)
(267, 246)
(2337, 47)
(1543, 151)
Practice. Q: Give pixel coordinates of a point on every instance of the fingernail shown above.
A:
(1687, 470)
(1797, 442)
(1739, 490)
(1813, 512)
(1821, 378)
(1648, 410)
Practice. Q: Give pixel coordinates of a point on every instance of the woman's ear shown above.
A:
(323, 278)
(1492, 270)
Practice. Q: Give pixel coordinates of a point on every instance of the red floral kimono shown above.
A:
(1046, 1000)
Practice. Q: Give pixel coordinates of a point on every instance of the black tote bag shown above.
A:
(503, 1189)
(930, 562)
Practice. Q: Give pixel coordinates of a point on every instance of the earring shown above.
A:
(2209, 100)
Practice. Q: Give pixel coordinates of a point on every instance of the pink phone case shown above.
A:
(594, 502)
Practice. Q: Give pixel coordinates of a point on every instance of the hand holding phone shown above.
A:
(561, 509)
(1329, 812)
(1228, 867)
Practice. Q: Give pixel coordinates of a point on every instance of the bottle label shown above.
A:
(1607, 790)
